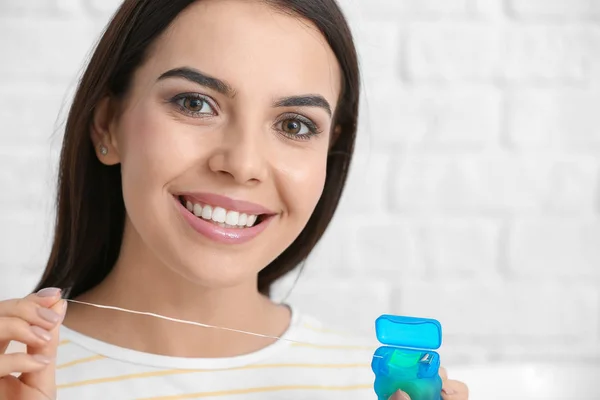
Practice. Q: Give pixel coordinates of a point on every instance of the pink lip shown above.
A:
(219, 234)
(228, 203)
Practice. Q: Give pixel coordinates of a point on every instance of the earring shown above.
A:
(103, 150)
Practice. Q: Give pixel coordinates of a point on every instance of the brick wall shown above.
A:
(473, 198)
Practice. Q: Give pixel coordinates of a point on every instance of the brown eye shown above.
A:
(292, 127)
(194, 105)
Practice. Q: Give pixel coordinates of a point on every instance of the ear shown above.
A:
(103, 132)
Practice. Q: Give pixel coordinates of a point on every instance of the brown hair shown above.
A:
(90, 210)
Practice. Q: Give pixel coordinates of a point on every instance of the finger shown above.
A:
(399, 395)
(33, 309)
(16, 329)
(20, 362)
(45, 298)
(455, 390)
(443, 374)
(45, 380)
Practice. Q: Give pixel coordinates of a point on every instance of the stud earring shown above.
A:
(103, 150)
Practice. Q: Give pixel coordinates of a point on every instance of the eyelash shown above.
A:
(192, 96)
(312, 127)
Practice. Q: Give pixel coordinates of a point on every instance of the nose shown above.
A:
(241, 156)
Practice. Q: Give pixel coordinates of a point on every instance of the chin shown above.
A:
(212, 271)
(217, 260)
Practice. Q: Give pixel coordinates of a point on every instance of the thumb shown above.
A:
(399, 395)
(45, 380)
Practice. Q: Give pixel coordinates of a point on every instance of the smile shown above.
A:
(220, 224)
(219, 215)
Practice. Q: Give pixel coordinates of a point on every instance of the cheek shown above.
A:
(152, 150)
(304, 185)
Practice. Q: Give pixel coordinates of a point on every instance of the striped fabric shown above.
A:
(332, 366)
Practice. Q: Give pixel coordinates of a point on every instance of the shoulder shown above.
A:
(327, 340)
(72, 351)
(330, 334)
(337, 358)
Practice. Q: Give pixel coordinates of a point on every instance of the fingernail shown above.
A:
(41, 358)
(41, 333)
(48, 314)
(49, 292)
(448, 391)
(400, 396)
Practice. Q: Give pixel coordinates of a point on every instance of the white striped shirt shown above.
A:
(332, 366)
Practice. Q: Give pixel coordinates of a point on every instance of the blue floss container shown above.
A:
(407, 361)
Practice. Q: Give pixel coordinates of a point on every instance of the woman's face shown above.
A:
(223, 139)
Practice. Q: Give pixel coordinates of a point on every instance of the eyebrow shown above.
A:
(193, 75)
(313, 100)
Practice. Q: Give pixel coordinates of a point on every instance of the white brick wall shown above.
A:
(474, 196)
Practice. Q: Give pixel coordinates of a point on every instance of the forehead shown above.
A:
(252, 46)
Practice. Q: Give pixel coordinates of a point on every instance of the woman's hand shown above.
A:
(451, 390)
(33, 321)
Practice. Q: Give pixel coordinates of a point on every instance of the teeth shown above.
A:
(232, 218)
(197, 209)
(222, 225)
(207, 212)
(220, 216)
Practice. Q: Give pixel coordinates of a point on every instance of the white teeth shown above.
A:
(222, 225)
(219, 214)
(207, 212)
(197, 210)
(232, 218)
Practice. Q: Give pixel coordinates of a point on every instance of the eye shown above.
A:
(294, 127)
(297, 127)
(194, 104)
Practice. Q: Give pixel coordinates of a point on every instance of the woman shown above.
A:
(204, 156)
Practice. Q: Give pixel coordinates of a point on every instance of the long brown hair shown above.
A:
(90, 210)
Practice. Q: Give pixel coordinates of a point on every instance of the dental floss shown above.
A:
(181, 321)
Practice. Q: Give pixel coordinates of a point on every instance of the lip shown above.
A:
(220, 234)
(228, 203)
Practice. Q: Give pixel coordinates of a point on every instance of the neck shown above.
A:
(140, 282)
